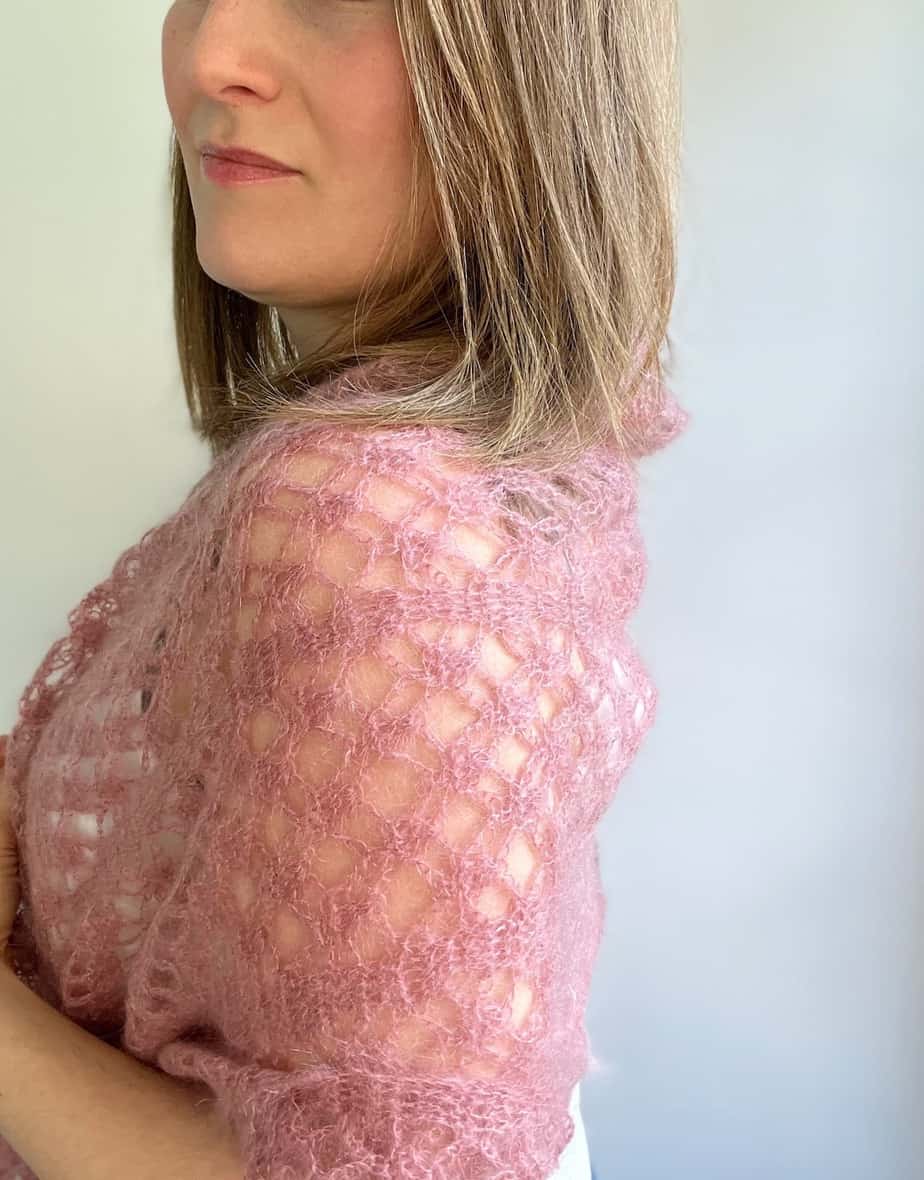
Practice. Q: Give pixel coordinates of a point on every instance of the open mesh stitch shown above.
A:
(306, 801)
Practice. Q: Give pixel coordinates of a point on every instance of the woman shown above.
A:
(302, 808)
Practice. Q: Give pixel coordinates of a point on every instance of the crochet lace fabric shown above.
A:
(306, 799)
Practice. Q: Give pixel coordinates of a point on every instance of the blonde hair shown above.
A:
(547, 133)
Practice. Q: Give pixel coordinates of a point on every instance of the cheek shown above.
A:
(370, 121)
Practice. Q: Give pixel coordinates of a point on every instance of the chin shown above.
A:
(254, 277)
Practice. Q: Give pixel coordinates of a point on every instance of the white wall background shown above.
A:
(758, 996)
(760, 993)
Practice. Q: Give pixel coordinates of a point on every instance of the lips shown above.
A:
(245, 156)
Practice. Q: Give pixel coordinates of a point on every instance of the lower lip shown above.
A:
(224, 171)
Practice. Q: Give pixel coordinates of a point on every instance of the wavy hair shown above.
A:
(546, 136)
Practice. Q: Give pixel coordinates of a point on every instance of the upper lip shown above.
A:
(244, 156)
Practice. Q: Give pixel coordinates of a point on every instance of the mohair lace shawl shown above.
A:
(306, 797)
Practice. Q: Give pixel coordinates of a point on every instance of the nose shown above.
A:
(235, 53)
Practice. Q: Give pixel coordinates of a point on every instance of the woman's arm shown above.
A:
(75, 1108)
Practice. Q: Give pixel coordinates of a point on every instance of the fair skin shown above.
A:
(321, 86)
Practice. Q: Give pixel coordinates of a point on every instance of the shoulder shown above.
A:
(347, 495)
(339, 459)
(341, 496)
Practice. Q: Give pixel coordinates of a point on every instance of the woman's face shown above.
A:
(320, 85)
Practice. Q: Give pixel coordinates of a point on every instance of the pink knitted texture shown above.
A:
(306, 797)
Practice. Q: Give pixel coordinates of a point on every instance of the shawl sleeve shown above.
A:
(361, 955)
